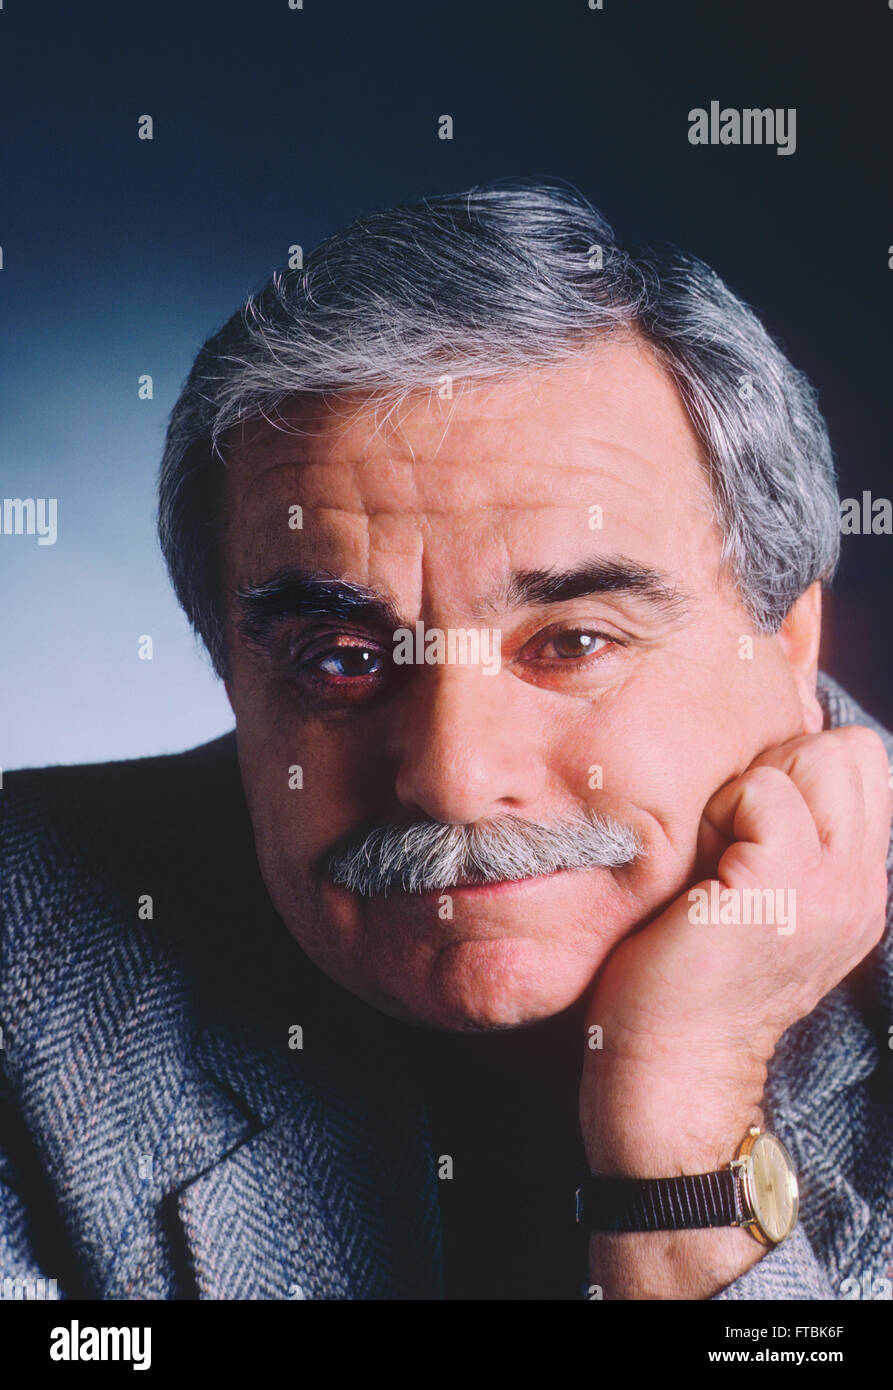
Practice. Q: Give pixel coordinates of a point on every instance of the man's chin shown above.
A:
(502, 959)
(496, 984)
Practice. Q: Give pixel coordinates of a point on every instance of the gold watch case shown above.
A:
(770, 1188)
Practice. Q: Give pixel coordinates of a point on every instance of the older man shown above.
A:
(508, 544)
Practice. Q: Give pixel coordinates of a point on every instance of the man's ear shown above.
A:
(227, 685)
(799, 635)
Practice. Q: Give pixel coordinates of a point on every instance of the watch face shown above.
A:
(772, 1188)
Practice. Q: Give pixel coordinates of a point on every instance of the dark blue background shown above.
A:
(274, 126)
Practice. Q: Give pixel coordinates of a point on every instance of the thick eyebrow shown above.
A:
(616, 574)
(296, 593)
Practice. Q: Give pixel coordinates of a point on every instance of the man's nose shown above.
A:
(462, 754)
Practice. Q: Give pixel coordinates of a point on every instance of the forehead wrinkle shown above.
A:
(416, 558)
(353, 466)
(692, 454)
(492, 474)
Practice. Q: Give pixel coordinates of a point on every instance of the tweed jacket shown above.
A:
(190, 1109)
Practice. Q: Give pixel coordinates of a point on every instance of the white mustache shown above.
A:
(431, 856)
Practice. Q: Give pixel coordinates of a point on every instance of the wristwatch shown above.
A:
(757, 1191)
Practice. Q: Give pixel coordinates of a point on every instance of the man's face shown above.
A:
(634, 704)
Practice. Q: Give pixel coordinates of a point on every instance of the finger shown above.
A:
(762, 807)
(873, 765)
(843, 777)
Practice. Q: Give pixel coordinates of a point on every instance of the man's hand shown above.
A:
(691, 1011)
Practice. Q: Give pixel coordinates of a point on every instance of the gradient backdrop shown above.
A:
(274, 126)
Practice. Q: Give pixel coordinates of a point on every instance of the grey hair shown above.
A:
(483, 285)
(433, 856)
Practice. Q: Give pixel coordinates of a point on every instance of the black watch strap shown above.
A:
(661, 1204)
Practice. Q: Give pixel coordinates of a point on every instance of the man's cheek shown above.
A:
(768, 701)
(284, 812)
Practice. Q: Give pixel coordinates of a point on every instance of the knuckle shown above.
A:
(765, 777)
(866, 740)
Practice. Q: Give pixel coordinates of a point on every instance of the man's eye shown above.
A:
(575, 643)
(345, 662)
